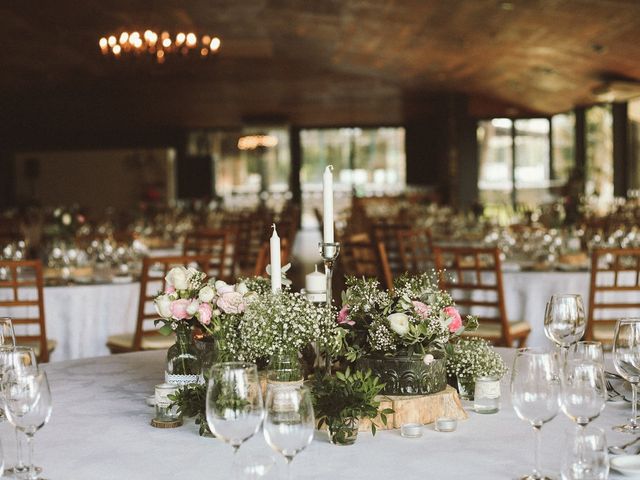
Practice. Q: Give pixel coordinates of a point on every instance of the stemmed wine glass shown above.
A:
(234, 402)
(27, 402)
(535, 391)
(564, 321)
(626, 358)
(289, 423)
(583, 390)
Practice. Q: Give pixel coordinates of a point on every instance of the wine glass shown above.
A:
(27, 402)
(584, 350)
(535, 390)
(583, 391)
(626, 358)
(564, 321)
(7, 335)
(234, 402)
(586, 456)
(289, 423)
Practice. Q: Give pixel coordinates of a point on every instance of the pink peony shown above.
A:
(422, 309)
(343, 316)
(456, 319)
(232, 302)
(169, 289)
(204, 313)
(179, 308)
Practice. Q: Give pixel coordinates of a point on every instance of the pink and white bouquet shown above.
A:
(415, 318)
(190, 300)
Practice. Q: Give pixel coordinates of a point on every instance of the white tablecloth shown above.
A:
(100, 430)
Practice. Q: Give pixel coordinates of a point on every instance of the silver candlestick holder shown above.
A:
(329, 253)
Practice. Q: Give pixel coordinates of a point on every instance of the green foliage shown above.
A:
(347, 395)
(191, 402)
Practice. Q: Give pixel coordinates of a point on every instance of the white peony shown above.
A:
(242, 289)
(163, 306)
(206, 294)
(193, 307)
(178, 278)
(223, 287)
(399, 323)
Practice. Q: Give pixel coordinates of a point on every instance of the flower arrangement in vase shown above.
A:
(401, 334)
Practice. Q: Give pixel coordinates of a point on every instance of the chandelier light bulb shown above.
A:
(116, 50)
(180, 38)
(215, 44)
(103, 43)
(124, 36)
(191, 39)
(111, 41)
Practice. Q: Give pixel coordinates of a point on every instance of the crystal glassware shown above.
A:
(289, 422)
(585, 350)
(584, 391)
(7, 335)
(564, 321)
(626, 358)
(585, 456)
(234, 402)
(27, 402)
(535, 391)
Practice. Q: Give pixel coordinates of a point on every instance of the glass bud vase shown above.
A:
(343, 431)
(466, 386)
(183, 362)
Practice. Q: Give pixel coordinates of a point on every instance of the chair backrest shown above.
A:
(152, 281)
(387, 234)
(22, 298)
(364, 258)
(614, 290)
(218, 246)
(473, 277)
(416, 250)
(264, 259)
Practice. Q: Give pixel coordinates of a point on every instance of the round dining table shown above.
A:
(100, 429)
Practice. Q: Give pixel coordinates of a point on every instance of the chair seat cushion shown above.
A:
(35, 344)
(603, 332)
(149, 342)
(494, 330)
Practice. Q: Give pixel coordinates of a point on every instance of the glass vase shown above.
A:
(183, 362)
(284, 368)
(466, 387)
(343, 431)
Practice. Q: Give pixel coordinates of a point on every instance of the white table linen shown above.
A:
(100, 430)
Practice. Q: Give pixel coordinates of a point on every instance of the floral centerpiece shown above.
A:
(401, 334)
(471, 358)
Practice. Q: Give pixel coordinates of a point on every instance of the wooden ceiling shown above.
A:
(314, 62)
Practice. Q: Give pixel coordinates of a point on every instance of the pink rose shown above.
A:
(204, 313)
(179, 308)
(422, 309)
(343, 316)
(232, 302)
(169, 290)
(456, 319)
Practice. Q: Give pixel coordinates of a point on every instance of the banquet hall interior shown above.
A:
(480, 157)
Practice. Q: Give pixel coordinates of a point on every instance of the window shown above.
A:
(563, 131)
(365, 160)
(634, 144)
(500, 141)
(599, 176)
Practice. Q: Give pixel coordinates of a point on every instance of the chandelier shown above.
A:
(157, 45)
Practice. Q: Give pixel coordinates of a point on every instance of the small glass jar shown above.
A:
(183, 362)
(163, 411)
(486, 397)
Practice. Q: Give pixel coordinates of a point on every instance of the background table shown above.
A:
(100, 430)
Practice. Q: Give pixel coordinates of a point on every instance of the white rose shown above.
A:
(428, 359)
(193, 307)
(242, 288)
(177, 278)
(399, 323)
(206, 294)
(163, 306)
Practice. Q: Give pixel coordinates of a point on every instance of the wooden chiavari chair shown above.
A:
(364, 258)
(387, 234)
(416, 250)
(19, 281)
(473, 277)
(146, 336)
(614, 290)
(218, 246)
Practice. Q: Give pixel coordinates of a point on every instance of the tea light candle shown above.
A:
(315, 282)
(411, 430)
(446, 424)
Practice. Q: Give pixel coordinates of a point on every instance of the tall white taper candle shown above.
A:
(276, 276)
(327, 197)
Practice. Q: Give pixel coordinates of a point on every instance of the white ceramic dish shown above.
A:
(628, 465)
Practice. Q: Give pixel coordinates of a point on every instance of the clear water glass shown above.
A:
(585, 456)
(626, 359)
(535, 390)
(564, 320)
(7, 335)
(585, 350)
(28, 406)
(289, 423)
(234, 402)
(584, 392)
